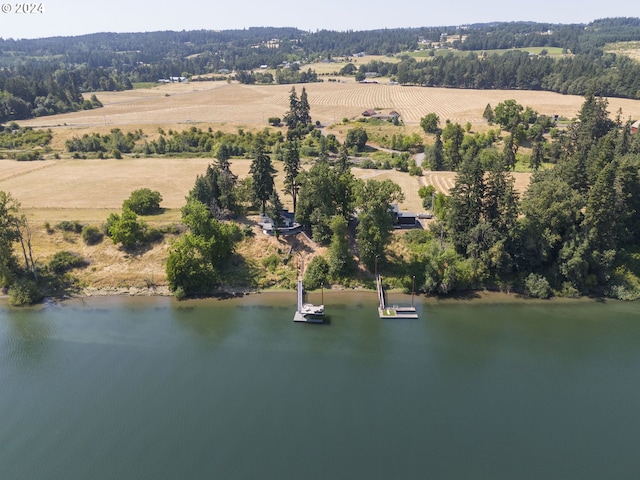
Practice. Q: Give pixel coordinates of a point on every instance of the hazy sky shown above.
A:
(67, 17)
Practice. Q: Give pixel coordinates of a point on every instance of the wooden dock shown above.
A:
(392, 311)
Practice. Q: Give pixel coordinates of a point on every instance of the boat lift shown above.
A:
(307, 312)
(393, 311)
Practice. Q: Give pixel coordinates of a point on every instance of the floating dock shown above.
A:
(392, 311)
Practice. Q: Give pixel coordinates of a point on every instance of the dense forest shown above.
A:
(50, 75)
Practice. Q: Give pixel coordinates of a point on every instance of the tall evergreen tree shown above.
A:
(303, 111)
(262, 172)
(291, 117)
(438, 154)
(291, 158)
(466, 203)
(509, 152)
(501, 202)
(342, 162)
(275, 209)
(223, 154)
(537, 155)
(600, 219)
(488, 113)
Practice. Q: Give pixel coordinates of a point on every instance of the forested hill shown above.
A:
(48, 75)
(103, 49)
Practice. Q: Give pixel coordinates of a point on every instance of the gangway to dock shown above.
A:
(393, 311)
(307, 312)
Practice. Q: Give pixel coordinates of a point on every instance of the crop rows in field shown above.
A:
(330, 102)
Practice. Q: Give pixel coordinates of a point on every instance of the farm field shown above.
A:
(223, 104)
(62, 187)
(89, 190)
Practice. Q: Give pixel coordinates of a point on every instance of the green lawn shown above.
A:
(144, 85)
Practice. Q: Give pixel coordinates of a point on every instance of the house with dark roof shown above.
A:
(286, 225)
(403, 219)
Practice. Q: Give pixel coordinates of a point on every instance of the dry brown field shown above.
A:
(88, 190)
(629, 49)
(221, 104)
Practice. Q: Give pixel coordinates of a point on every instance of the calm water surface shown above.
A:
(126, 388)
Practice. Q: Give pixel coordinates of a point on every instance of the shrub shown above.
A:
(143, 201)
(180, 294)
(247, 231)
(24, 292)
(64, 261)
(28, 156)
(126, 229)
(369, 164)
(316, 274)
(271, 262)
(91, 235)
(415, 171)
(537, 286)
(68, 226)
(153, 235)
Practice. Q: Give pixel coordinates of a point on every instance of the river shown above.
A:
(131, 388)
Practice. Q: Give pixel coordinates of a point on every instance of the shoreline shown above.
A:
(478, 296)
(472, 296)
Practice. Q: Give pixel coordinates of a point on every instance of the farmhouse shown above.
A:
(174, 80)
(392, 115)
(635, 126)
(288, 225)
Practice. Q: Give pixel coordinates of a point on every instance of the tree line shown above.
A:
(607, 74)
(574, 231)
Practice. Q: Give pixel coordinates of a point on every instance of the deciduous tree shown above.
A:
(375, 220)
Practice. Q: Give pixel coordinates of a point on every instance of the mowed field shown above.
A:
(88, 190)
(220, 103)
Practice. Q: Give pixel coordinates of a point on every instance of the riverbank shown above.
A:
(330, 295)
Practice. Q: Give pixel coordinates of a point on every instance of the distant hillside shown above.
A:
(49, 75)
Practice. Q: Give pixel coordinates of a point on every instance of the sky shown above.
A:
(73, 17)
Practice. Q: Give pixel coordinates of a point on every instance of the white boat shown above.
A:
(309, 309)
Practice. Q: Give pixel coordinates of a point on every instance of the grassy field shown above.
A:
(630, 49)
(89, 190)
